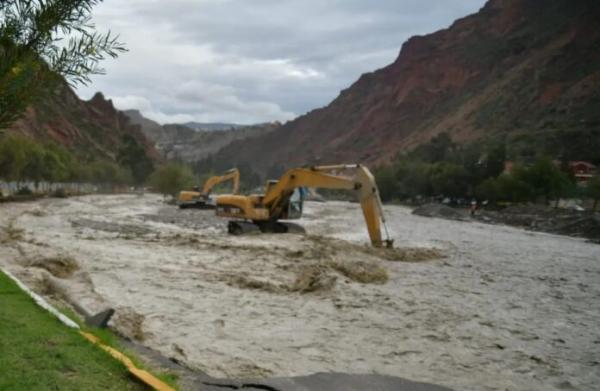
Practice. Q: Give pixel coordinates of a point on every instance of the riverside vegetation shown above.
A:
(443, 168)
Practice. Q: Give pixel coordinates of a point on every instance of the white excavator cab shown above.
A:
(295, 203)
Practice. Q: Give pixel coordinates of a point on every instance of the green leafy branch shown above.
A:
(43, 40)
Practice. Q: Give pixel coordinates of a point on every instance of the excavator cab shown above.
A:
(296, 204)
(270, 184)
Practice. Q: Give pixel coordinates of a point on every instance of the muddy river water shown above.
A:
(500, 308)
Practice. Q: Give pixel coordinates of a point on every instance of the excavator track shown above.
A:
(292, 228)
(242, 228)
(197, 205)
(238, 227)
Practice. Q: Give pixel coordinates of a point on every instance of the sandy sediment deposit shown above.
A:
(462, 304)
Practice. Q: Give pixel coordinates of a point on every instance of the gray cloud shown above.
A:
(253, 61)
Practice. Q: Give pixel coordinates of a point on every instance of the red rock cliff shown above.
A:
(515, 66)
(92, 129)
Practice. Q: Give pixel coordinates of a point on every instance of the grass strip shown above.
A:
(108, 338)
(37, 352)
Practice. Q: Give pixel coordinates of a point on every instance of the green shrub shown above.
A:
(171, 178)
(24, 191)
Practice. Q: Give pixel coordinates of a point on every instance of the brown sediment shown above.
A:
(309, 278)
(129, 230)
(329, 248)
(58, 266)
(251, 370)
(9, 233)
(409, 254)
(313, 278)
(363, 272)
(314, 263)
(246, 282)
(129, 323)
(38, 212)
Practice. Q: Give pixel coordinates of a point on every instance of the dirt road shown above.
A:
(503, 309)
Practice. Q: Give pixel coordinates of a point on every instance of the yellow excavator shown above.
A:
(283, 200)
(201, 199)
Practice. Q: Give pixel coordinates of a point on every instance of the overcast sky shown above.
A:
(249, 61)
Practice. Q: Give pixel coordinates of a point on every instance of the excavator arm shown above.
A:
(332, 177)
(275, 202)
(233, 175)
(195, 198)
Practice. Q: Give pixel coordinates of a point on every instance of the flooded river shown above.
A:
(500, 309)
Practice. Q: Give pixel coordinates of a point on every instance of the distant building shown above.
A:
(508, 166)
(583, 171)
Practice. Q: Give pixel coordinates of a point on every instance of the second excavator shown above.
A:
(201, 199)
(283, 200)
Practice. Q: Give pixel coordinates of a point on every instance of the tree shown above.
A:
(172, 178)
(488, 190)
(133, 156)
(494, 161)
(35, 166)
(13, 157)
(545, 178)
(81, 173)
(592, 190)
(514, 190)
(387, 184)
(22, 158)
(60, 164)
(449, 179)
(504, 188)
(436, 150)
(42, 41)
(413, 178)
(108, 174)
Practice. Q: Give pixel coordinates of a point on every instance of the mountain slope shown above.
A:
(152, 130)
(212, 126)
(193, 145)
(189, 142)
(91, 129)
(515, 67)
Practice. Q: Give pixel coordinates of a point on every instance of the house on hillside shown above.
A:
(583, 171)
(508, 166)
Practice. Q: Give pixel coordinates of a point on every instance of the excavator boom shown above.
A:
(195, 198)
(275, 204)
(232, 175)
